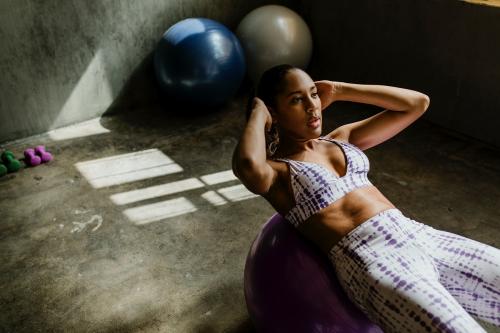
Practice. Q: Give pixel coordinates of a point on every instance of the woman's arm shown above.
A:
(249, 160)
(387, 97)
(402, 107)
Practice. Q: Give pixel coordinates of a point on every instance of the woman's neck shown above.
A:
(289, 146)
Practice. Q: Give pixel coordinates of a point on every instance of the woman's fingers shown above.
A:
(328, 92)
(324, 89)
(262, 107)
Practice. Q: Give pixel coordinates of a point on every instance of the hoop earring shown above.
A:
(273, 146)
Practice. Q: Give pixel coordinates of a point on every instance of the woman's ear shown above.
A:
(273, 113)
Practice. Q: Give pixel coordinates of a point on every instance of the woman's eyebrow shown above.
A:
(298, 91)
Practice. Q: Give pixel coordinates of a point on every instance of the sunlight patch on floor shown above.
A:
(83, 129)
(156, 191)
(159, 210)
(127, 168)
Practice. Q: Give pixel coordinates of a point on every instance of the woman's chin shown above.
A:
(315, 130)
(315, 133)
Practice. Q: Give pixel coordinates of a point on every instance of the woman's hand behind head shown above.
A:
(328, 92)
(257, 105)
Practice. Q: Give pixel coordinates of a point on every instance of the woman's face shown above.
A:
(297, 105)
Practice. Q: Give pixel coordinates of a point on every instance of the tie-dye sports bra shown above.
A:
(315, 187)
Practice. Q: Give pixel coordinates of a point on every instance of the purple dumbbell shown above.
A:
(30, 158)
(45, 156)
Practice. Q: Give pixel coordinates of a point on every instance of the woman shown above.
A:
(404, 275)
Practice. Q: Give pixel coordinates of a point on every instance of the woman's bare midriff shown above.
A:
(329, 225)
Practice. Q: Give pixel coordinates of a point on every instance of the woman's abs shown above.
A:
(329, 225)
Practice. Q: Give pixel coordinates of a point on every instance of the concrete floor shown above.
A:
(82, 253)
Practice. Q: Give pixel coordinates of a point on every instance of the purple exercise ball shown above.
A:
(291, 286)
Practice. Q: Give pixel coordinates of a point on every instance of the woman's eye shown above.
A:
(296, 99)
(315, 94)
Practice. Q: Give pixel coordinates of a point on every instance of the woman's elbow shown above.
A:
(426, 101)
(421, 102)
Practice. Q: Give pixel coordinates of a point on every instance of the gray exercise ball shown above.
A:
(272, 35)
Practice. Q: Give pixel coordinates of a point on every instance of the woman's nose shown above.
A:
(309, 105)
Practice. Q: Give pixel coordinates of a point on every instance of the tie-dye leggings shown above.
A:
(409, 277)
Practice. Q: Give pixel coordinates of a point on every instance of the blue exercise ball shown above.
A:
(291, 286)
(200, 62)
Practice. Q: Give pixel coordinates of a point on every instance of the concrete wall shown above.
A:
(447, 49)
(66, 61)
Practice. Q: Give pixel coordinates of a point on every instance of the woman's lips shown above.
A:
(314, 123)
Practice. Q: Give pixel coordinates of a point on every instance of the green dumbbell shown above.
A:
(3, 170)
(10, 161)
